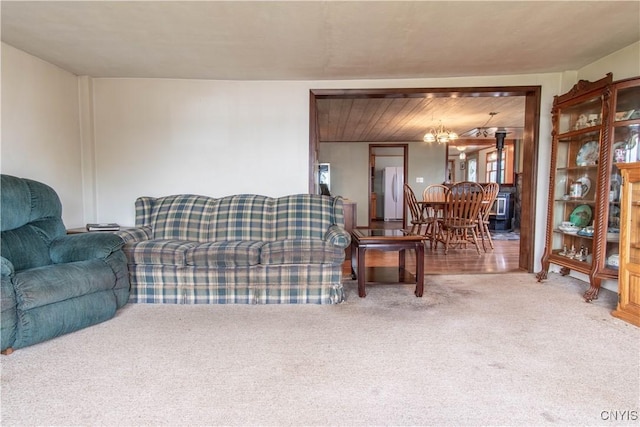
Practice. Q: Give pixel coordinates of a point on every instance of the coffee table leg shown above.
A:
(361, 273)
(354, 252)
(419, 269)
(401, 264)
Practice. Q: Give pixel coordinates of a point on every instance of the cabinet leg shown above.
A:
(564, 271)
(592, 292)
(354, 260)
(361, 273)
(542, 275)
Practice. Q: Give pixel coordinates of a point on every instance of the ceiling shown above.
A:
(408, 119)
(331, 40)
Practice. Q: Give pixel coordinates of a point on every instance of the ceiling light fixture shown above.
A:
(461, 149)
(441, 135)
(485, 131)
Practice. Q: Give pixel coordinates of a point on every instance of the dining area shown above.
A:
(453, 216)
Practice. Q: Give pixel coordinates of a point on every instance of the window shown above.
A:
(492, 166)
(472, 168)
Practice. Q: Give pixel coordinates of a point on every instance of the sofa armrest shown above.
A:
(6, 267)
(338, 236)
(132, 235)
(85, 246)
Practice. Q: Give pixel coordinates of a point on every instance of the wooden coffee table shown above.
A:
(386, 240)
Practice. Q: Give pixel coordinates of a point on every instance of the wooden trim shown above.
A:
(583, 87)
(529, 147)
(313, 140)
(530, 140)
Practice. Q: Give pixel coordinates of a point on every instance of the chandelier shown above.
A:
(441, 135)
(461, 149)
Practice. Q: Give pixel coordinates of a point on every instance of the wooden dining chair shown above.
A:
(490, 194)
(433, 198)
(417, 217)
(459, 224)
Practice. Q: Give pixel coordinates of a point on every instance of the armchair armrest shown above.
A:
(6, 267)
(137, 234)
(82, 247)
(338, 236)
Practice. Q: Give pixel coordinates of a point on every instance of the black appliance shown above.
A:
(501, 213)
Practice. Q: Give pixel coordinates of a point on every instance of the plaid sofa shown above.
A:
(252, 249)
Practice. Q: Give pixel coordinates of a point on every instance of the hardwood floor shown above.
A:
(380, 264)
(504, 258)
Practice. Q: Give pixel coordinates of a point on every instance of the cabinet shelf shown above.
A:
(570, 263)
(579, 132)
(576, 201)
(577, 168)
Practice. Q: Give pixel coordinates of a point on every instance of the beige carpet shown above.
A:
(475, 350)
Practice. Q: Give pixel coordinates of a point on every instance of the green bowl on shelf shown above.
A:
(581, 216)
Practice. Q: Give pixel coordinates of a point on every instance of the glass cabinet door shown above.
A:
(633, 222)
(576, 173)
(625, 131)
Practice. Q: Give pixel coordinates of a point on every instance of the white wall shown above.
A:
(41, 129)
(624, 64)
(158, 136)
(349, 172)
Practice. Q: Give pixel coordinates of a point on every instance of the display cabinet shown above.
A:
(594, 125)
(629, 257)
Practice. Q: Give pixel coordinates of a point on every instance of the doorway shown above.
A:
(386, 198)
(530, 141)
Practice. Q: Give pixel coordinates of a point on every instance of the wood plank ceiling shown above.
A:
(407, 119)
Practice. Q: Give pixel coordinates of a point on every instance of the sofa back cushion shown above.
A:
(180, 217)
(239, 217)
(304, 216)
(242, 217)
(31, 218)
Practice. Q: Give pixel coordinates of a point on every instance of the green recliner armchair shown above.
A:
(52, 283)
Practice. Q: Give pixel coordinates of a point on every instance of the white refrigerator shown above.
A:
(393, 181)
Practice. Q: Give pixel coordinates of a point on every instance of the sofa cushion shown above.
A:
(54, 283)
(160, 252)
(224, 254)
(52, 320)
(298, 251)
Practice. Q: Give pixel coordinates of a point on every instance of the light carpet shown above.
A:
(493, 349)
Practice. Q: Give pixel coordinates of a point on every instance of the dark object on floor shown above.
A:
(507, 235)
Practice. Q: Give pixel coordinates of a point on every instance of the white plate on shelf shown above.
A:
(569, 230)
(624, 115)
(588, 154)
(586, 185)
